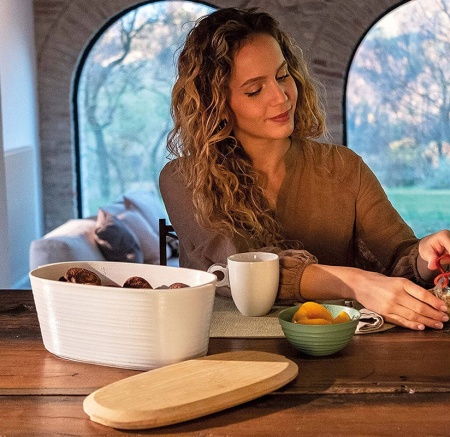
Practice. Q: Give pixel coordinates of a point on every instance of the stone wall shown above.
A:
(328, 31)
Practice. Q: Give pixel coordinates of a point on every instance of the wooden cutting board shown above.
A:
(189, 389)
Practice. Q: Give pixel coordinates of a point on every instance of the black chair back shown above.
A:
(165, 230)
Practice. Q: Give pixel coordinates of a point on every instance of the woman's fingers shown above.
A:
(416, 322)
(404, 303)
(418, 308)
(421, 296)
(401, 321)
(434, 245)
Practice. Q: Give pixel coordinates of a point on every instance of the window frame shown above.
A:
(75, 118)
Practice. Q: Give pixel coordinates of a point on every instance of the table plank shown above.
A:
(272, 415)
(43, 373)
(387, 362)
(18, 318)
(345, 372)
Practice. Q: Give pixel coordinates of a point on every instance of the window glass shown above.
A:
(123, 100)
(397, 110)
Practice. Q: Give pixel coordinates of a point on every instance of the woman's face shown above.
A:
(263, 94)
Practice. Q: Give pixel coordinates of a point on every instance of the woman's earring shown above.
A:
(222, 124)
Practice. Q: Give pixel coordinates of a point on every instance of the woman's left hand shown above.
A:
(431, 248)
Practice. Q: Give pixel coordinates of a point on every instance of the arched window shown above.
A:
(122, 99)
(398, 106)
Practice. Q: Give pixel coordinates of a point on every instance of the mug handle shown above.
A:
(224, 282)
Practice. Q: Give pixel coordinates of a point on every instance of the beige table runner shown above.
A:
(227, 321)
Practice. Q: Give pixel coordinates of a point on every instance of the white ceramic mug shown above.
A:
(253, 279)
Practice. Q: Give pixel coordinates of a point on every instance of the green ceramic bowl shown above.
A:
(319, 340)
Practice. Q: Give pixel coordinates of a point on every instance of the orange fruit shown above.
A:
(314, 322)
(342, 317)
(312, 310)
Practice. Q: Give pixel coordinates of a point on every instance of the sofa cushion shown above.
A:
(152, 209)
(72, 241)
(116, 240)
(145, 234)
(115, 208)
(148, 204)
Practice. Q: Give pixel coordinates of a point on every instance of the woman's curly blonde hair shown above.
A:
(226, 193)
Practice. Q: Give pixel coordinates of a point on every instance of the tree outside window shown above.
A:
(398, 109)
(122, 100)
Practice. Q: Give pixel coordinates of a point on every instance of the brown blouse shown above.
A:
(329, 201)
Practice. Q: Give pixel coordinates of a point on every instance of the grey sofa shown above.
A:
(125, 230)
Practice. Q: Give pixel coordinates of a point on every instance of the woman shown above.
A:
(249, 175)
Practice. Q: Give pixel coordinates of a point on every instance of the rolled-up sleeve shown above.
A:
(293, 263)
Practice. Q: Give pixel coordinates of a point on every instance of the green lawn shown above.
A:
(426, 211)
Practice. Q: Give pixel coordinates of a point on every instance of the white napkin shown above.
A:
(369, 322)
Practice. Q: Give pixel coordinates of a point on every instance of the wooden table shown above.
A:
(391, 383)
